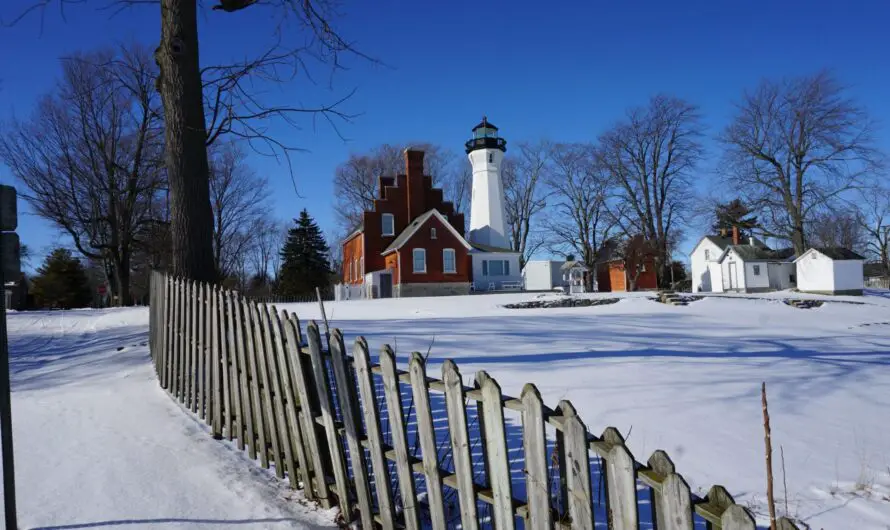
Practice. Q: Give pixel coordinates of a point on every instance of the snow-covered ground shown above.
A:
(99, 442)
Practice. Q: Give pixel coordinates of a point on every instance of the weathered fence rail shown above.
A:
(399, 449)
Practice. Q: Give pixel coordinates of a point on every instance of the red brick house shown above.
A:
(612, 271)
(412, 242)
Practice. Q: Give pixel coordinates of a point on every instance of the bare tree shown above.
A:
(239, 198)
(267, 238)
(635, 251)
(874, 219)
(236, 109)
(523, 176)
(650, 157)
(837, 228)
(578, 217)
(794, 147)
(91, 156)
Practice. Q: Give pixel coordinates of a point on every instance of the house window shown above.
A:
(449, 262)
(496, 267)
(707, 255)
(432, 233)
(419, 260)
(389, 224)
(756, 270)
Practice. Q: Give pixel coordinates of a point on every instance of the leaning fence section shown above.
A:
(396, 448)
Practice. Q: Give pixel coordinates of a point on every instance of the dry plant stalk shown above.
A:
(769, 459)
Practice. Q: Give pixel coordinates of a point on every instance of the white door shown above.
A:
(733, 276)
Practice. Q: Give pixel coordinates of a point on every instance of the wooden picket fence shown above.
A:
(347, 431)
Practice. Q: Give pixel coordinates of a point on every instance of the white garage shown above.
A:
(830, 271)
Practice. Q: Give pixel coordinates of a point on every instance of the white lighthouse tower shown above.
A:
(488, 225)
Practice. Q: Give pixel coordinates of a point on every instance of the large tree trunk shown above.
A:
(191, 219)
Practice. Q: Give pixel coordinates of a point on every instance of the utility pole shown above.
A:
(10, 267)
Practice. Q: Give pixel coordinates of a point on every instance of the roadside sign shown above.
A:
(9, 220)
(10, 256)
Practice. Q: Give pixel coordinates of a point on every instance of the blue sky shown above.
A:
(557, 70)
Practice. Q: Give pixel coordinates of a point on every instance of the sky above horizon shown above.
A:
(564, 73)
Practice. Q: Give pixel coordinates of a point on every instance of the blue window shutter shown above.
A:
(485, 267)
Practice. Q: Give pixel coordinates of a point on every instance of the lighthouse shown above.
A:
(488, 225)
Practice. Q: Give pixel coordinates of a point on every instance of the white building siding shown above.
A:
(700, 259)
(848, 275)
(815, 272)
(542, 275)
(482, 281)
(780, 275)
(733, 272)
(715, 273)
(756, 276)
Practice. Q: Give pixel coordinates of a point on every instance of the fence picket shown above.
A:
(180, 338)
(736, 517)
(427, 435)
(291, 405)
(456, 408)
(216, 369)
(236, 414)
(325, 402)
(534, 443)
(193, 349)
(672, 505)
(577, 457)
(202, 349)
(404, 468)
(168, 329)
(380, 467)
(314, 446)
(209, 400)
(248, 404)
(254, 355)
(621, 482)
(278, 426)
(353, 427)
(496, 452)
(188, 351)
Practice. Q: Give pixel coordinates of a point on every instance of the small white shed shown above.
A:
(543, 275)
(830, 271)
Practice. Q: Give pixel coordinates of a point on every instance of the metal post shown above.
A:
(8, 222)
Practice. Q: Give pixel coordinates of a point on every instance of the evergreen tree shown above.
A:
(304, 259)
(61, 282)
(734, 213)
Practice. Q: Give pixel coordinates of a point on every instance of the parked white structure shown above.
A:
(721, 263)
(704, 262)
(574, 274)
(830, 271)
(543, 275)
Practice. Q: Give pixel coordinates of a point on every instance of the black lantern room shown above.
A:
(485, 136)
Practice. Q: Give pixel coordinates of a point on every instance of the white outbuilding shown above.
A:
(543, 275)
(831, 270)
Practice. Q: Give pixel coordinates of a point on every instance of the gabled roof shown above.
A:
(571, 264)
(723, 242)
(415, 225)
(835, 253)
(749, 253)
(488, 248)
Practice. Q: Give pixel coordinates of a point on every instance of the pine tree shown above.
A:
(304, 259)
(734, 213)
(61, 282)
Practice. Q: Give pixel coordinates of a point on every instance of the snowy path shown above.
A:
(100, 445)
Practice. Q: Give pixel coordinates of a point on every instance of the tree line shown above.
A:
(797, 162)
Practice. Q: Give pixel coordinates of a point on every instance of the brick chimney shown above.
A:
(415, 192)
(735, 235)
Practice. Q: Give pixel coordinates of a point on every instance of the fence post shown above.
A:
(375, 439)
(271, 379)
(325, 402)
(576, 455)
(291, 404)
(404, 468)
(455, 404)
(672, 505)
(353, 427)
(314, 447)
(426, 432)
(620, 482)
(534, 443)
(496, 452)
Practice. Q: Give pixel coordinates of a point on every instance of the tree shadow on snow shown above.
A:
(184, 522)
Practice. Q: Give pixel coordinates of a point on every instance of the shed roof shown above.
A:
(835, 253)
(572, 264)
(749, 253)
(488, 248)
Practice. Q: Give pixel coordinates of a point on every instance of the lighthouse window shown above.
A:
(490, 158)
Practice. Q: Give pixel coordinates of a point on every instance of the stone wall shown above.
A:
(406, 290)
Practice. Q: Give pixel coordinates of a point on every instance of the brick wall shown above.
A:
(353, 251)
(434, 255)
